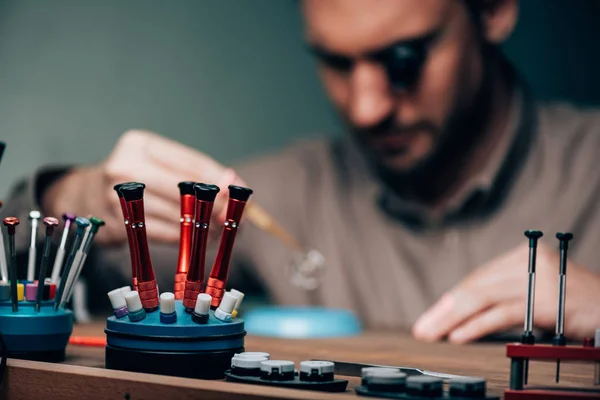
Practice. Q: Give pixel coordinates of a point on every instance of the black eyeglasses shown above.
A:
(403, 61)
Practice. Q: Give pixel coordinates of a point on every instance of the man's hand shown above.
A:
(145, 157)
(493, 298)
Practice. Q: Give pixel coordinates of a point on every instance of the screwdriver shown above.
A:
(146, 281)
(3, 263)
(60, 254)
(559, 339)
(82, 224)
(50, 223)
(205, 196)
(80, 257)
(188, 202)
(34, 217)
(238, 196)
(528, 337)
(11, 223)
(132, 249)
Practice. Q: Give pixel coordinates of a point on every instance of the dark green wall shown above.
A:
(229, 77)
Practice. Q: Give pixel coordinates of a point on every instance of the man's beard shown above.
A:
(454, 144)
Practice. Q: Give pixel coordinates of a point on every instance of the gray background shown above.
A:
(228, 77)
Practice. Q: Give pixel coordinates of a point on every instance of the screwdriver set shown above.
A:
(193, 331)
(34, 321)
(521, 353)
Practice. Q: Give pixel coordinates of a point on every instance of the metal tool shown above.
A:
(194, 281)
(559, 339)
(34, 218)
(134, 199)
(50, 223)
(187, 205)
(11, 223)
(130, 239)
(355, 369)
(60, 253)
(528, 336)
(80, 257)
(82, 224)
(3, 263)
(215, 286)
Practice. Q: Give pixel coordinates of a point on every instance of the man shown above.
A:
(420, 212)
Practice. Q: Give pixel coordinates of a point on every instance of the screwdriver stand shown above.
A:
(184, 348)
(518, 353)
(32, 335)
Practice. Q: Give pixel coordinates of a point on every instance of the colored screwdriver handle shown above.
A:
(80, 257)
(134, 199)
(61, 252)
(51, 224)
(238, 196)
(135, 267)
(204, 197)
(11, 223)
(34, 218)
(3, 262)
(187, 201)
(82, 224)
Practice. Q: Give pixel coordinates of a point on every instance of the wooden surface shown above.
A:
(82, 375)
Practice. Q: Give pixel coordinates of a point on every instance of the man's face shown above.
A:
(402, 129)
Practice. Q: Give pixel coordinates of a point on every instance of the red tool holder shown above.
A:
(519, 353)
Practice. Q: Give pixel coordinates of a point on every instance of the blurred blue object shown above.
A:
(301, 322)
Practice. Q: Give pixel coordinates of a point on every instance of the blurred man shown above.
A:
(420, 212)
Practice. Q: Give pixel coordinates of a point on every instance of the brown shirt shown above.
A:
(389, 260)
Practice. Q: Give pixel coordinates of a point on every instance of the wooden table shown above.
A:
(82, 375)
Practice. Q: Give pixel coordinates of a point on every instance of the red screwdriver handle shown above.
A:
(135, 268)
(187, 204)
(205, 196)
(134, 199)
(238, 196)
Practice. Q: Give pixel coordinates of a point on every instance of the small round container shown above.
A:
(386, 381)
(316, 371)
(467, 387)
(277, 370)
(367, 371)
(254, 354)
(426, 386)
(247, 366)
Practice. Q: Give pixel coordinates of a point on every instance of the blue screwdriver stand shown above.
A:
(38, 336)
(183, 348)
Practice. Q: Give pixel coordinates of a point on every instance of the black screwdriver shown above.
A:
(559, 339)
(528, 337)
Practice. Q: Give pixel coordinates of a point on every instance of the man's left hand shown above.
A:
(493, 297)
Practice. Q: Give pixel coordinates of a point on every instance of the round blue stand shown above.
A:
(31, 335)
(301, 322)
(183, 348)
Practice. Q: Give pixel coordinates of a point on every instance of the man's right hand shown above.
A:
(146, 157)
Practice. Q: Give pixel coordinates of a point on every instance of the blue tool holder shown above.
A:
(32, 335)
(183, 348)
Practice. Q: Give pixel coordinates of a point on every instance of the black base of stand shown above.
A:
(44, 356)
(336, 385)
(186, 364)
